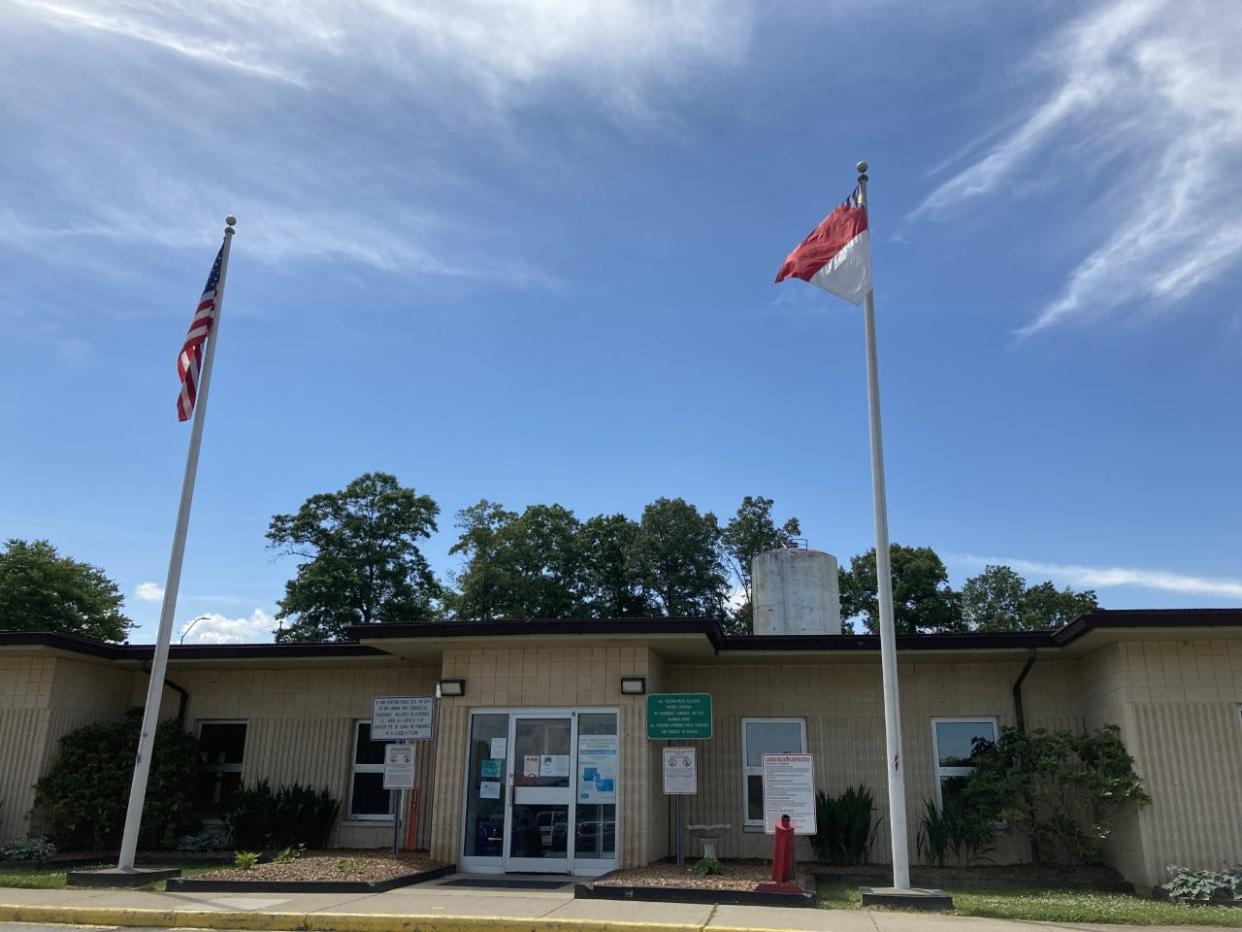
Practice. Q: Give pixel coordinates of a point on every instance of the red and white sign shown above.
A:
(789, 789)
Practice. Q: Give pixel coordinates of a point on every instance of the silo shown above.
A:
(795, 591)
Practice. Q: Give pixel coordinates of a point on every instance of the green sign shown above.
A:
(679, 716)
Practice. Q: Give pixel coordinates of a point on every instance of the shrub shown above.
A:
(345, 865)
(27, 849)
(1059, 789)
(952, 832)
(1205, 885)
(708, 866)
(845, 831)
(210, 840)
(245, 859)
(263, 818)
(84, 796)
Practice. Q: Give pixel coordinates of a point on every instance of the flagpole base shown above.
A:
(120, 876)
(906, 898)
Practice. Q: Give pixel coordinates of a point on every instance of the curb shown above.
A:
(324, 922)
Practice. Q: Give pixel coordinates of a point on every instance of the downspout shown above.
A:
(181, 690)
(1020, 718)
(1017, 692)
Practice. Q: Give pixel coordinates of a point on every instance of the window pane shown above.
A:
(485, 813)
(369, 752)
(954, 741)
(771, 738)
(539, 831)
(951, 792)
(222, 742)
(369, 796)
(596, 832)
(754, 797)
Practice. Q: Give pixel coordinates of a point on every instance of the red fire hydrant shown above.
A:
(782, 860)
(782, 851)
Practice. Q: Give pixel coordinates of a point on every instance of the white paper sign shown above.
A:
(530, 765)
(789, 789)
(398, 767)
(681, 775)
(402, 718)
(554, 765)
(499, 747)
(489, 789)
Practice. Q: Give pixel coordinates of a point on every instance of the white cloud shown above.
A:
(149, 592)
(1142, 103)
(1094, 577)
(214, 628)
(338, 130)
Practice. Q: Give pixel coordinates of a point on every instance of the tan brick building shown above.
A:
(543, 761)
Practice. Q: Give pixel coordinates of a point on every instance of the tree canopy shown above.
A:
(750, 532)
(362, 560)
(923, 601)
(42, 591)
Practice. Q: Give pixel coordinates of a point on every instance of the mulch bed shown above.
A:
(742, 874)
(665, 882)
(340, 871)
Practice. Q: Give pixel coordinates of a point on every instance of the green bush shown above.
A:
(265, 819)
(952, 832)
(36, 849)
(1205, 886)
(707, 867)
(845, 830)
(245, 860)
(1059, 789)
(83, 798)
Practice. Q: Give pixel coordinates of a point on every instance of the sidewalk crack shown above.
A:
(710, 917)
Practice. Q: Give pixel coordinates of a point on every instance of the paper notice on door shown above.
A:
(489, 789)
(530, 765)
(554, 765)
(499, 747)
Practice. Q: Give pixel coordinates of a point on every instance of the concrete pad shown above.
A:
(116, 877)
(906, 898)
(516, 907)
(631, 911)
(801, 920)
(249, 902)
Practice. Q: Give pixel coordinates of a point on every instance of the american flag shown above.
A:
(190, 360)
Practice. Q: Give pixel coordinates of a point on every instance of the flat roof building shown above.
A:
(542, 761)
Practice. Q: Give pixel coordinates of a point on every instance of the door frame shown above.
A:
(592, 867)
(553, 796)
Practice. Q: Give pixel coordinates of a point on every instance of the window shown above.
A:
(221, 746)
(953, 744)
(765, 736)
(367, 797)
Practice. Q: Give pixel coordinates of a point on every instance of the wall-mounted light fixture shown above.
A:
(452, 687)
(633, 685)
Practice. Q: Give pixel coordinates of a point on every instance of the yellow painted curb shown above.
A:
(318, 922)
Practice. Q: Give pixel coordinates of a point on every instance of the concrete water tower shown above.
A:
(795, 591)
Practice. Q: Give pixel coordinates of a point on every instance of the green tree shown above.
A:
(482, 583)
(750, 532)
(923, 601)
(611, 584)
(998, 599)
(42, 591)
(679, 559)
(362, 561)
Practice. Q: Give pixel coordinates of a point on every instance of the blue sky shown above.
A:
(525, 251)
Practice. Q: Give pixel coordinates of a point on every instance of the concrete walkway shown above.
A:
(456, 909)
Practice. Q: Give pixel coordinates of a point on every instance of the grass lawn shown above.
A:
(53, 878)
(1059, 906)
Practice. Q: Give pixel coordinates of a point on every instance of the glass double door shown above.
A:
(541, 793)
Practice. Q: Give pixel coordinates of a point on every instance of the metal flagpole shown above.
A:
(884, 589)
(155, 688)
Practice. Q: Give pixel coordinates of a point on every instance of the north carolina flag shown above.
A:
(836, 255)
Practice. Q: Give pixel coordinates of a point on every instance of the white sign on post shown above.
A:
(402, 718)
(399, 767)
(789, 789)
(680, 772)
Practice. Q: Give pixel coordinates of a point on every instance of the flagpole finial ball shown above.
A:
(862, 167)
(231, 220)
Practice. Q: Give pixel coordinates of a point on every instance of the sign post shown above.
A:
(677, 717)
(681, 779)
(400, 718)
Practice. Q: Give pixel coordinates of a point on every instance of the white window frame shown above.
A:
(208, 766)
(748, 771)
(941, 772)
(356, 768)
